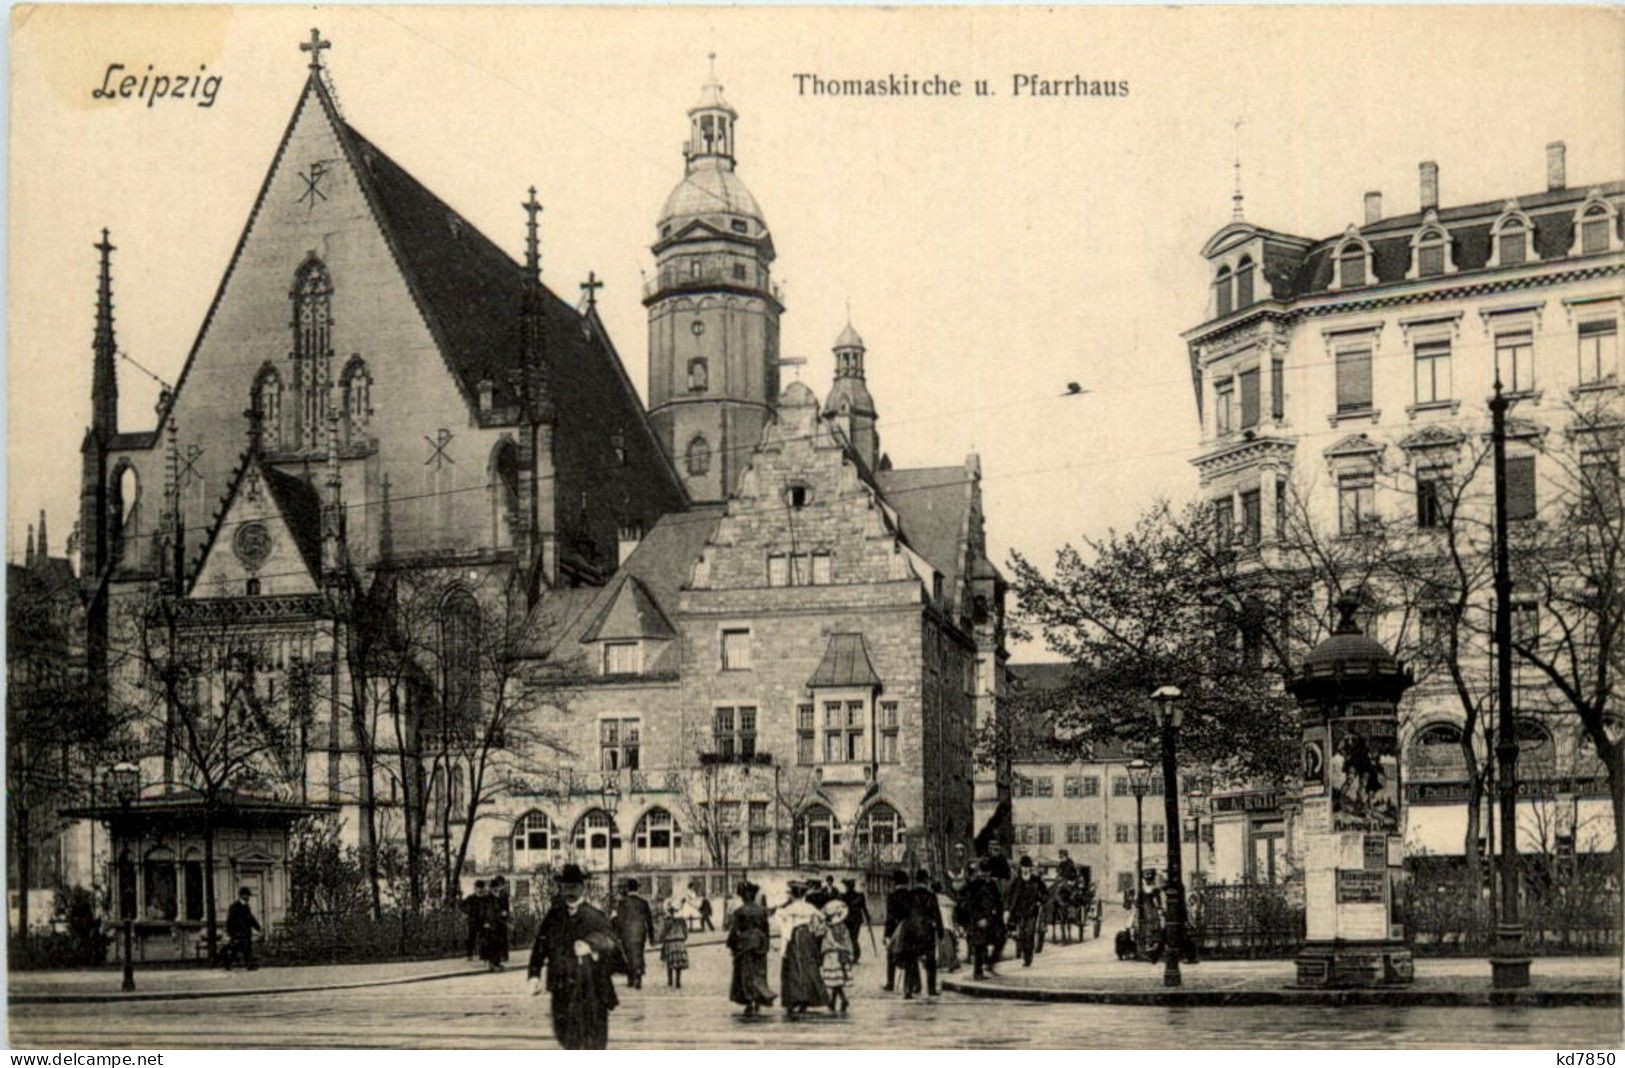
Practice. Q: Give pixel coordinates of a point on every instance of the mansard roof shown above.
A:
(1297, 267)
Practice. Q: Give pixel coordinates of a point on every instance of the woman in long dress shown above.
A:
(801, 981)
(748, 934)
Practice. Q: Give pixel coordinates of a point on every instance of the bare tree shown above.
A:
(212, 679)
(1574, 564)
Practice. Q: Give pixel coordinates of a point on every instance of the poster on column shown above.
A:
(1364, 774)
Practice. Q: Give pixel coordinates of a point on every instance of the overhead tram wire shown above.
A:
(1298, 436)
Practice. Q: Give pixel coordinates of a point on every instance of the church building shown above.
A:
(775, 645)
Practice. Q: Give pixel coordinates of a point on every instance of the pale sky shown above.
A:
(993, 249)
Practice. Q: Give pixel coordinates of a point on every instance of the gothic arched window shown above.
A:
(357, 398)
(699, 455)
(460, 661)
(267, 401)
(505, 494)
(312, 298)
(125, 502)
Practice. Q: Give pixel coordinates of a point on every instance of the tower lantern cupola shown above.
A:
(849, 404)
(711, 125)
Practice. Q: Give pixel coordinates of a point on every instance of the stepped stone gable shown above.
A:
(840, 514)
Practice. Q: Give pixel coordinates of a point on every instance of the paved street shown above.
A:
(496, 1011)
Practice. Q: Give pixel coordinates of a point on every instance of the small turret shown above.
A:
(850, 404)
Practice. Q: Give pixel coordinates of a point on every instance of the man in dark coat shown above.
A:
(635, 923)
(240, 928)
(1067, 870)
(857, 916)
(1025, 903)
(578, 946)
(898, 903)
(999, 865)
(928, 911)
(474, 906)
(981, 914)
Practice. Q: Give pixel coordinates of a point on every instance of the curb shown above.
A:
(76, 998)
(1286, 995)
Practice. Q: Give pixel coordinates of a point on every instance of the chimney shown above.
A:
(1373, 207)
(1430, 185)
(628, 539)
(1555, 176)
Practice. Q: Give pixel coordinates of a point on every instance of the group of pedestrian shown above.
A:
(819, 926)
(489, 914)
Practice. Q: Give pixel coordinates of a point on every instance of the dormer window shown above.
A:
(1222, 292)
(1512, 244)
(1244, 282)
(623, 658)
(1594, 227)
(1509, 237)
(1351, 266)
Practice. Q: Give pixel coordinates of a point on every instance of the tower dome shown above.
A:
(710, 188)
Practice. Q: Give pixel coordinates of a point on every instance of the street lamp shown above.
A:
(126, 782)
(1169, 716)
(1139, 780)
(1197, 799)
(612, 800)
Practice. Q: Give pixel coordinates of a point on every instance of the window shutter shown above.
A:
(1353, 380)
(1520, 487)
(1249, 397)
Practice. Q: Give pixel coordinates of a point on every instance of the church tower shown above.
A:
(713, 312)
(849, 402)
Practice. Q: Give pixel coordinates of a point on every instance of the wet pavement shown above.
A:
(496, 1011)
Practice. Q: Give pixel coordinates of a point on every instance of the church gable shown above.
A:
(268, 538)
(804, 514)
(313, 312)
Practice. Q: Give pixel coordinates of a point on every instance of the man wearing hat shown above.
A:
(927, 914)
(240, 928)
(578, 946)
(1025, 901)
(898, 904)
(981, 914)
(857, 915)
(474, 906)
(635, 923)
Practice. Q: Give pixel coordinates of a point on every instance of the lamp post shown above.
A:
(126, 782)
(1169, 716)
(612, 800)
(1139, 779)
(1509, 964)
(1197, 799)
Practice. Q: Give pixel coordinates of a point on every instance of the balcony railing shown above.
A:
(688, 276)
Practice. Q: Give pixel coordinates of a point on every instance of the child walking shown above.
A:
(674, 945)
(835, 955)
